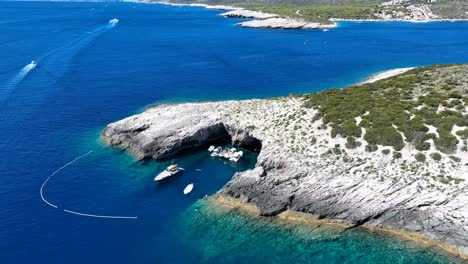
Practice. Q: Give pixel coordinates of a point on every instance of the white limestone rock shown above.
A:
(241, 13)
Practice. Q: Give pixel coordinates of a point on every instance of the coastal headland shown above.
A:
(324, 15)
(389, 154)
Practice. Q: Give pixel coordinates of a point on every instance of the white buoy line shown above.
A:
(74, 212)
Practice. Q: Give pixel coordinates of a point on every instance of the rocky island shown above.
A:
(388, 153)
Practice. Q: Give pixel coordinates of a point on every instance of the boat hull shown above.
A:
(166, 175)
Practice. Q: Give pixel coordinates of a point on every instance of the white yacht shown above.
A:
(169, 172)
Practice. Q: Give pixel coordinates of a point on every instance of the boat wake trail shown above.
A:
(56, 62)
(13, 82)
(41, 191)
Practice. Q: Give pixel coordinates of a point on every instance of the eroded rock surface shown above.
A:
(300, 167)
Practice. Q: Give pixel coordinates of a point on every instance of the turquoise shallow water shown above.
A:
(221, 234)
(89, 74)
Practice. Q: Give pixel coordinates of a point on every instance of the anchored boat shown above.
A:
(188, 189)
(231, 154)
(169, 172)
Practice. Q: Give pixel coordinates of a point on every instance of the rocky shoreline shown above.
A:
(259, 19)
(301, 168)
(385, 74)
(307, 219)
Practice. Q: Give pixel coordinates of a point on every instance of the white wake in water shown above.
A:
(18, 78)
(56, 62)
(113, 22)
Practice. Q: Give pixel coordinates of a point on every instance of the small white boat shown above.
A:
(211, 148)
(33, 63)
(236, 156)
(114, 21)
(215, 151)
(326, 30)
(231, 154)
(188, 189)
(169, 172)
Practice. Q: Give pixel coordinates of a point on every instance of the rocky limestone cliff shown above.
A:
(301, 168)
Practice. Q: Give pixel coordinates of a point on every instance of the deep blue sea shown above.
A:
(90, 73)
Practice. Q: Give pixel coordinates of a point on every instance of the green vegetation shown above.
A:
(371, 148)
(463, 134)
(399, 110)
(323, 10)
(316, 13)
(251, 128)
(451, 8)
(397, 155)
(351, 143)
(436, 156)
(420, 157)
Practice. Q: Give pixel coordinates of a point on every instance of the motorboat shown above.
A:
(215, 151)
(188, 188)
(231, 154)
(236, 156)
(113, 21)
(169, 172)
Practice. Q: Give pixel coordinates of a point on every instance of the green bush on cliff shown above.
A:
(371, 148)
(463, 134)
(446, 142)
(351, 143)
(317, 13)
(397, 155)
(436, 156)
(420, 157)
(404, 105)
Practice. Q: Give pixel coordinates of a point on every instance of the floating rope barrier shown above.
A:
(70, 211)
(100, 216)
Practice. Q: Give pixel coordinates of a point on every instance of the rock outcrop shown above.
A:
(267, 20)
(406, 11)
(284, 23)
(300, 168)
(240, 13)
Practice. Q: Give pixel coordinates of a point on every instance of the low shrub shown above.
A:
(420, 157)
(436, 156)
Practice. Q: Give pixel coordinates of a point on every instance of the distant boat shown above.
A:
(326, 30)
(33, 63)
(113, 21)
(188, 189)
(169, 172)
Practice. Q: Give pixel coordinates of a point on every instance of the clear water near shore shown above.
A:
(86, 78)
(219, 234)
